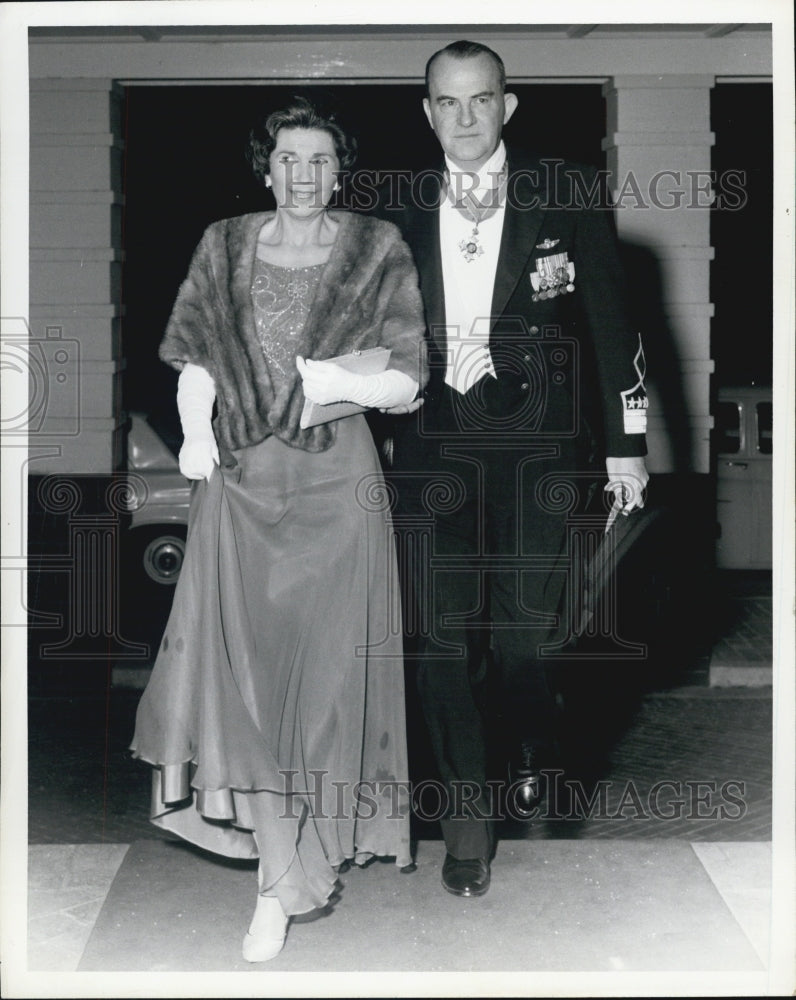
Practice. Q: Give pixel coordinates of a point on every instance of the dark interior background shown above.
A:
(741, 285)
(185, 166)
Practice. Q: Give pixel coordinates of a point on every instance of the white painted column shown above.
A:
(75, 272)
(658, 146)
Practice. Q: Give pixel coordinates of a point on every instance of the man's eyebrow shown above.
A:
(449, 97)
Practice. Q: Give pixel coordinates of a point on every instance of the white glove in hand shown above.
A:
(196, 392)
(627, 480)
(198, 458)
(325, 382)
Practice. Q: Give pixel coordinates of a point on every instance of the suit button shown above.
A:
(527, 357)
(525, 387)
(534, 329)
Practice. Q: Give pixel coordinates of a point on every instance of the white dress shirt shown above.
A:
(469, 284)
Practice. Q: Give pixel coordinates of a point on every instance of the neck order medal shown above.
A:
(469, 206)
(471, 247)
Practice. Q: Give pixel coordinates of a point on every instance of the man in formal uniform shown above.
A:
(528, 338)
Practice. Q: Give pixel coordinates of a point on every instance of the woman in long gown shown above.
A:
(275, 711)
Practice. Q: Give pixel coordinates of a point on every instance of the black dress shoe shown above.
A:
(469, 877)
(525, 775)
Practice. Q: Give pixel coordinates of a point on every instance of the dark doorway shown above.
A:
(741, 286)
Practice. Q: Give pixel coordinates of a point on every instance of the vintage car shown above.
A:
(743, 450)
(154, 547)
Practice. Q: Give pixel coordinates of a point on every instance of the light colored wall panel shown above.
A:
(398, 57)
(54, 108)
(662, 109)
(98, 448)
(92, 330)
(76, 281)
(661, 455)
(694, 386)
(75, 271)
(66, 224)
(662, 230)
(684, 279)
(658, 153)
(96, 385)
(93, 165)
(689, 324)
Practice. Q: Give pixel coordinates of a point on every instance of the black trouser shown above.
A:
(481, 558)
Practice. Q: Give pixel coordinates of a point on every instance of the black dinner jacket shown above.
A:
(585, 353)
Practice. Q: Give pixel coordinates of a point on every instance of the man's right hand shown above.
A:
(198, 457)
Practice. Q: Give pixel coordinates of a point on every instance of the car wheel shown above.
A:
(152, 555)
(162, 556)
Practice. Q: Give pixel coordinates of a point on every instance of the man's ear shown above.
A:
(510, 102)
(427, 109)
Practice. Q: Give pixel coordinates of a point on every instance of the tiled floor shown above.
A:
(713, 739)
(742, 875)
(743, 654)
(67, 885)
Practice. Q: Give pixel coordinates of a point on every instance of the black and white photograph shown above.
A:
(397, 451)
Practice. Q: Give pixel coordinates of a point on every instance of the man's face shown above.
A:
(466, 108)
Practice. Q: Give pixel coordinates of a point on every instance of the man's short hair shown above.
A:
(466, 50)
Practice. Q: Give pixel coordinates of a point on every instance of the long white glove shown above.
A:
(196, 392)
(325, 382)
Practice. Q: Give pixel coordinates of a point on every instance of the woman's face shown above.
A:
(304, 169)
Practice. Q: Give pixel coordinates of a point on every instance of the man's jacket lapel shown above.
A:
(521, 226)
(423, 237)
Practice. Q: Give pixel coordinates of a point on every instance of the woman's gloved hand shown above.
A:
(325, 382)
(198, 457)
(196, 392)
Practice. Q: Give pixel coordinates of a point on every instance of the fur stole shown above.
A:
(368, 296)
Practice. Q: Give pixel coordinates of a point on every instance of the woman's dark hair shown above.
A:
(300, 113)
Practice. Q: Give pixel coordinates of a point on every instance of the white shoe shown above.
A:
(266, 935)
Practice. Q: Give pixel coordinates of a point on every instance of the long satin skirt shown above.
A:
(275, 711)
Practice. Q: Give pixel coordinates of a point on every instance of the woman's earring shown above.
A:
(336, 187)
(267, 181)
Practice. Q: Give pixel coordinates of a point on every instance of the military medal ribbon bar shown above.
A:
(554, 275)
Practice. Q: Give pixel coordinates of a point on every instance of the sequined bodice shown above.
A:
(282, 298)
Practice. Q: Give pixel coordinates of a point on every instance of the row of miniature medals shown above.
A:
(554, 275)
